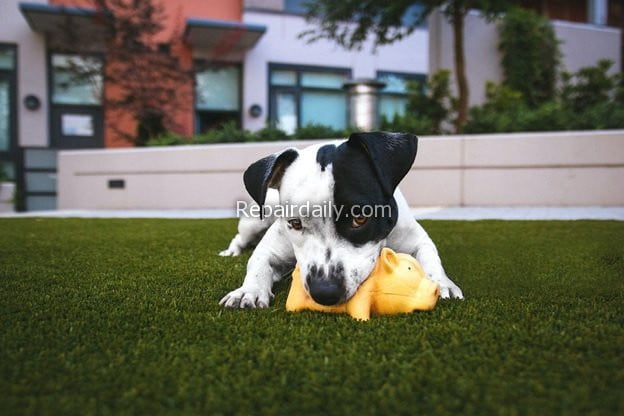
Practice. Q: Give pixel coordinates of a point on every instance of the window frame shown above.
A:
(200, 65)
(298, 89)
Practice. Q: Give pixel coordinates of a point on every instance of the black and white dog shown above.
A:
(335, 252)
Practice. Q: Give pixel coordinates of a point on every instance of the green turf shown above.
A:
(121, 316)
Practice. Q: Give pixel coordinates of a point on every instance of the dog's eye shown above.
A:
(295, 224)
(358, 221)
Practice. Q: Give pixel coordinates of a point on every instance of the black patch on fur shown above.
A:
(267, 172)
(325, 155)
(315, 272)
(367, 169)
(328, 254)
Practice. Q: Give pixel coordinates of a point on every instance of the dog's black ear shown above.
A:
(267, 173)
(391, 154)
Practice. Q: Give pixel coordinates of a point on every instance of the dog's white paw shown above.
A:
(246, 298)
(230, 252)
(449, 290)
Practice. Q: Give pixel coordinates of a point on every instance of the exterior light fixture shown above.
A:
(255, 111)
(32, 102)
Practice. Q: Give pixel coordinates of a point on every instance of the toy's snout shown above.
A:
(427, 295)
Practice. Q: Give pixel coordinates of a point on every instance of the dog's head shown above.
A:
(338, 204)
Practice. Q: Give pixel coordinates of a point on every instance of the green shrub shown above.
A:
(408, 123)
(318, 131)
(589, 99)
(550, 116)
(589, 86)
(530, 55)
(269, 133)
(499, 113)
(168, 139)
(228, 133)
(432, 105)
(604, 115)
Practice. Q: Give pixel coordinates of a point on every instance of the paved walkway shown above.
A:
(435, 213)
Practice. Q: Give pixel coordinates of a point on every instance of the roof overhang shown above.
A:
(222, 37)
(60, 23)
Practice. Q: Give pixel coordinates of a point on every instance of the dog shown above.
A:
(336, 251)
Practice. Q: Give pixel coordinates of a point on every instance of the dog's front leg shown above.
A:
(410, 237)
(427, 255)
(271, 259)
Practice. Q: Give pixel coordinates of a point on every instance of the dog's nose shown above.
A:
(325, 292)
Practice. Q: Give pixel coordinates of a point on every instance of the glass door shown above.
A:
(8, 141)
(285, 111)
(76, 117)
(5, 114)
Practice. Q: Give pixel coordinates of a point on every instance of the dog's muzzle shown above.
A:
(326, 288)
(325, 292)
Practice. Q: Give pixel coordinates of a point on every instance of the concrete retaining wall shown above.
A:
(528, 169)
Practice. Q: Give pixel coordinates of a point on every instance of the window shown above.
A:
(8, 82)
(295, 6)
(217, 96)
(413, 15)
(300, 96)
(393, 98)
(7, 58)
(76, 80)
(5, 115)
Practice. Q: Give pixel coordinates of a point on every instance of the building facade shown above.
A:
(249, 66)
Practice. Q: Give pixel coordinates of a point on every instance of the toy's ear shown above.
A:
(267, 173)
(391, 154)
(389, 260)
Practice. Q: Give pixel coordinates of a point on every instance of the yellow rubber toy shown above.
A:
(397, 284)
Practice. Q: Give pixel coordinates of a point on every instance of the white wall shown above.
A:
(280, 44)
(523, 169)
(32, 125)
(584, 44)
(481, 52)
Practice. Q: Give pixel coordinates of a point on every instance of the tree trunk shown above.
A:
(460, 68)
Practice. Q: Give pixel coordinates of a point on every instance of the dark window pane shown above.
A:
(5, 115)
(76, 80)
(295, 6)
(7, 59)
(218, 89)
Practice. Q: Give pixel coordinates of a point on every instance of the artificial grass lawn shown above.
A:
(121, 316)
